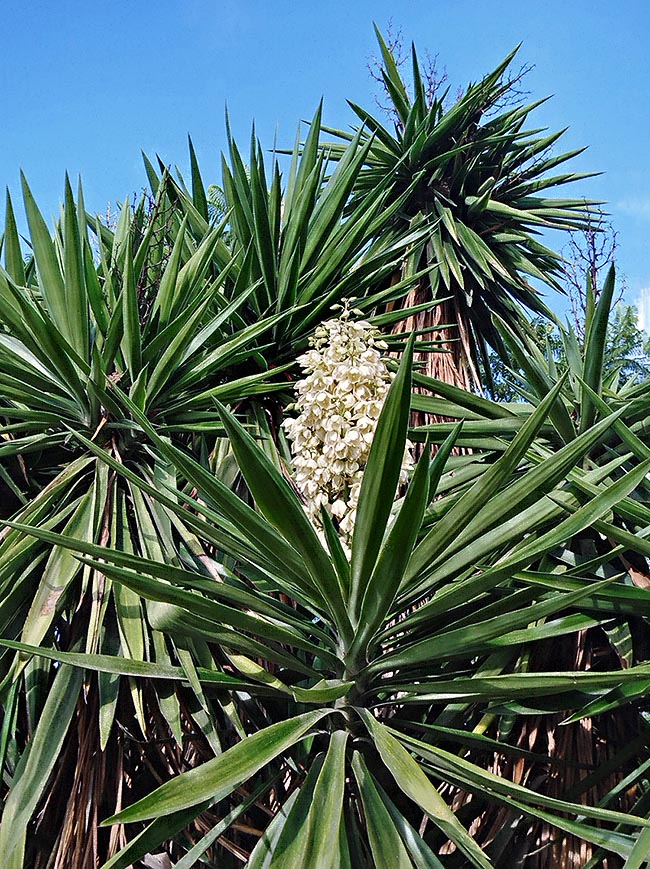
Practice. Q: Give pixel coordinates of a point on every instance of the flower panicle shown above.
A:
(339, 403)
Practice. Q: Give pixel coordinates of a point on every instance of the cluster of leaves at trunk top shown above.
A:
(339, 402)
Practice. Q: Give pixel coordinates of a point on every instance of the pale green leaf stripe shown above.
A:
(36, 764)
(217, 778)
(388, 850)
(411, 779)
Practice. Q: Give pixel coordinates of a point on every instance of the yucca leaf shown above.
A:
(197, 851)
(422, 856)
(39, 757)
(290, 817)
(487, 486)
(595, 338)
(412, 781)
(50, 278)
(280, 506)
(311, 828)
(161, 830)
(394, 555)
(217, 778)
(388, 850)
(122, 666)
(76, 298)
(131, 342)
(198, 190)
(380, 480)
(12, 251)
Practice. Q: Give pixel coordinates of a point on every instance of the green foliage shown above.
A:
(625, 357)
(184, 658)
(478, 178)
(441, 632)
(150, 323)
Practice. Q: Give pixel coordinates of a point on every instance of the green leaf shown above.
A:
(61, 569)
(131, 343)
(393, 79)
(487, 486)
(640, 853)
(448, 764)
(324, 691)
(47, 266)
(410, 778)
(13, 253)
(595, 340)
(290, 816)
(393, 557)
(198, 190)
(421, 854)
(37, 762)
(380, 480)
(310, 831)
(280, 505)
(388, 850)
(197, 851)
(126, 666)
(75, 277)
(165, 297)
(217, 778)
(160, 831)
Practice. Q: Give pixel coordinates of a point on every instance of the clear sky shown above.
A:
(87, 86)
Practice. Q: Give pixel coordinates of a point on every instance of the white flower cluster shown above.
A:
(339, 402)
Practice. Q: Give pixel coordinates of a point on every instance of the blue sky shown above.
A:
(87, 86)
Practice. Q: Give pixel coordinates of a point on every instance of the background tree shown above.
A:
(588, 256)
(473, 176)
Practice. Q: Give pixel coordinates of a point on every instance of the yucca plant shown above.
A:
(608, 736)
(477, 176)
(348, 676)
(147, 312)
(178, 312)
